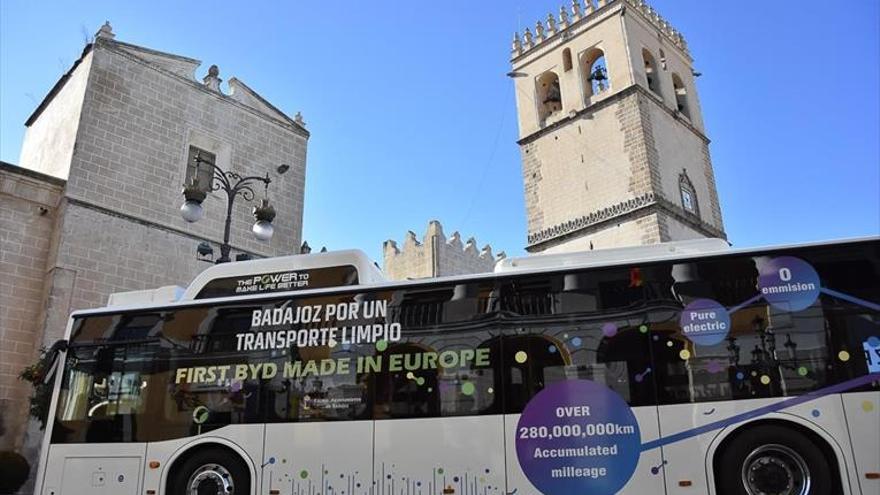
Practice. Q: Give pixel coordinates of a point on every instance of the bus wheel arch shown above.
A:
(211, 460)
(788, 437)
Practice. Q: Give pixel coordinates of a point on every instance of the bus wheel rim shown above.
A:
(775, 470)
(211, 473)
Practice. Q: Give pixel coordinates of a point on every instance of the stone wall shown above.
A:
(612, 154)
(28, 212)
(137, 124)
(122, 121)
(436, 256)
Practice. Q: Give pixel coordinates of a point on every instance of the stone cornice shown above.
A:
(618, 212)
(154, 225)
(595, 218)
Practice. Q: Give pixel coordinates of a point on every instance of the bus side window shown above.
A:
(444, 365)
(575, 326)
(763, 349)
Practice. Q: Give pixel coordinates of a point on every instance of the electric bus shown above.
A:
(679, 368)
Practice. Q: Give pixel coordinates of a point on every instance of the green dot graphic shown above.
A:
(420, 381)
(643, 328)
(381, 345)
(467, 388)
(803, 371)
(303, 474)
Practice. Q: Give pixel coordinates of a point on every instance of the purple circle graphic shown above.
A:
(705, 322)
(578, 436)
(789, 283)
(609, 329)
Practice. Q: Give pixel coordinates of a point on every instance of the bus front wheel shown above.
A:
(211, 472)
(772, 460)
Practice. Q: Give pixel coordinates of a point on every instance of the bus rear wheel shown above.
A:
(211, 472)
(772, 460)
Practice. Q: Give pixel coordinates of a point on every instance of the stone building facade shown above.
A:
(28, 213)
(436, 256)
(94, 207)
(614, 151)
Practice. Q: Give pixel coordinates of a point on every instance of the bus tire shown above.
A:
(211, 471)
(775, 460)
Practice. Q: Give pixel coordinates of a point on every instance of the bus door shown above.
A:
(98, 401)
(437, 409)
(579, 394)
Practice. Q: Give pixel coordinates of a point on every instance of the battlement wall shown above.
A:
(557, 27)
(435, 255)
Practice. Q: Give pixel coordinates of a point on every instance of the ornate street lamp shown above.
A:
(234, 185)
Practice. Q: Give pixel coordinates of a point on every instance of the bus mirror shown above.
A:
(52, 358)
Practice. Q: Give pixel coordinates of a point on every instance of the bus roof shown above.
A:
(541, 264)
(367, 272)
(602, 257)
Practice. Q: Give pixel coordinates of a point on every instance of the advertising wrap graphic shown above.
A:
(705, 322)
(789, 283)
(578, 436)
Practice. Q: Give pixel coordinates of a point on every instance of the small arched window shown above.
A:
(681, 99)
(549, 95)
(595, 72)
(688, 194)
(566, 59)
(652, 76)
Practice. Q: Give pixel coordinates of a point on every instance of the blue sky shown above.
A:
(412, 117)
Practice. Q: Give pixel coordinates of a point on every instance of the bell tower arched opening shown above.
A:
(595, 73)
(549, 95)
(681, 96)
(652, 76)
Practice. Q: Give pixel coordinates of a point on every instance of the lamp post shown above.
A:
(234, 185)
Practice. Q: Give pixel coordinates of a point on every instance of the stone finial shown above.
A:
(539, 31)
(455, 239)
(298, 118)
(212, 80)
(576, 11)
(551, 25)
(517, 45)
(563, 18)
(305, 248)
(590, 7)
(106, 31)
(501, 255)
(435, 229)
(390, 246)
(411, 239)
(470, 245)
(527, 39)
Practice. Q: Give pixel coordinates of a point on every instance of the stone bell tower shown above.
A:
(614, 152)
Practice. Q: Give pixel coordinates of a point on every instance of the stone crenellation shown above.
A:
(556, 27)
(435, 255)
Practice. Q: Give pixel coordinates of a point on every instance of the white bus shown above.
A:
(683, 368)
